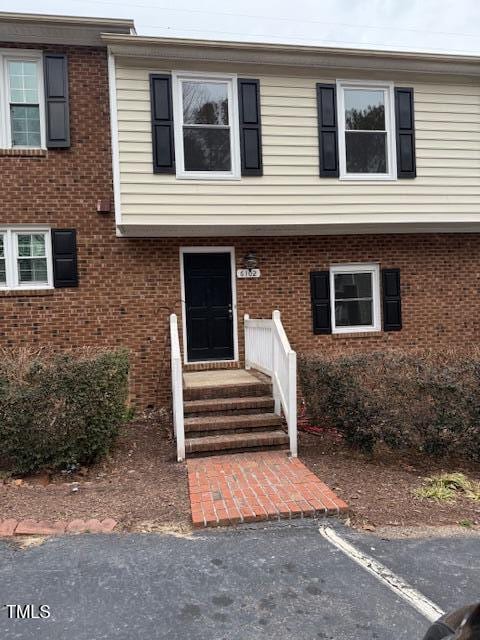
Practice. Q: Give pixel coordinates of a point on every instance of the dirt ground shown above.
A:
(142, 486)
(379, 488)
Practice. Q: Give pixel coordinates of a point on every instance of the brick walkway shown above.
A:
(248, 487)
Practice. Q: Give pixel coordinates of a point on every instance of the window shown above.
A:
(355, 298)
(366, 140)
(3, 268)
(25, 259)
(21, 99)
(206, 127)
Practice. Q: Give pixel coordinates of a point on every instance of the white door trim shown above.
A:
(231, 251)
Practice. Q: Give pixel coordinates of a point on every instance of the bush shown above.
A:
(60, 410)
(422, 400)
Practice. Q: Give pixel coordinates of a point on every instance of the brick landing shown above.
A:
(249, 487)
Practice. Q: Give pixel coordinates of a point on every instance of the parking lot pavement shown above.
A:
(445, 569)
(272, 582)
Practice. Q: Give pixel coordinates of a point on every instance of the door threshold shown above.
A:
(212, 364)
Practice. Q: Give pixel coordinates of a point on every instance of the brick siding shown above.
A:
(128, 287)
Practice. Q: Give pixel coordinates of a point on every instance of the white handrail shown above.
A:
(177, 388)
(268, 350)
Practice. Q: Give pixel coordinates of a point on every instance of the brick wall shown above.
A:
(128, 287)
(440, 277)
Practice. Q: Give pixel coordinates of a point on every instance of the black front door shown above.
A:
(208, 304)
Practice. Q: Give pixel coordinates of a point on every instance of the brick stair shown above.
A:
(235, 442)
(229, 411)
(233, 422)
(227, 391)
(224, 406)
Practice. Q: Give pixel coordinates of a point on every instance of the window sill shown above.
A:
(24, 153)
(372, 177)
(22, 293)
(359, 334)
(207, 177)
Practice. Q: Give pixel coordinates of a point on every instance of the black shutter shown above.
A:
(250, 127)
(55, 67)
(320, 296)
(392, 304)
(327, 130)
(162, 123)
(405, 124)
(64, 250)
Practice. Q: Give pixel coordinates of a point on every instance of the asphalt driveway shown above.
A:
(275, 582)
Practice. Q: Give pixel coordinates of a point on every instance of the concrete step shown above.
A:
(222, 383)
(235, 441)
(200, 424)
(223, 406)
(243, 390)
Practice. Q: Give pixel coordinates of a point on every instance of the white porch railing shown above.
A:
(177, 388)
(268, 350)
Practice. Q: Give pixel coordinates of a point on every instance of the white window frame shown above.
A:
(11, 259)
(388, 89)
(14, 55)
(5, 258)
(374, 269)
(231, 79)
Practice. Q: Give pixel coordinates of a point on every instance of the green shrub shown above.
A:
(422, 400)
(60, 410)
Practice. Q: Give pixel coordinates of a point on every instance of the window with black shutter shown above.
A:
(320, 299)
(250, 127)
(56, 100)
(392, 304)
(64, 252)
(327, 130)
(405, 126)
(162, 123)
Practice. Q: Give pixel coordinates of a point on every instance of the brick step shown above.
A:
(227, 391)
(222, 406)
(237, 421)
(227, 442)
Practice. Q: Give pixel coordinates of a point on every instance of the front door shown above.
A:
(208, 306)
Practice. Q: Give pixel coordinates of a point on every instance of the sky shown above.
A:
(451, 26)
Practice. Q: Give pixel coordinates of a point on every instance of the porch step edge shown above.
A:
(249, 389)
(235, 421)
(236, 441)
(219, 405)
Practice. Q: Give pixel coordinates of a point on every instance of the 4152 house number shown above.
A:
(248, 273)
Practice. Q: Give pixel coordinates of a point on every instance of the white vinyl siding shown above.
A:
(447, 119)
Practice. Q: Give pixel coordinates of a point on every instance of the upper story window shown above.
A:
(206, 127)
(21, 100)
(366, 136)
(25, 259)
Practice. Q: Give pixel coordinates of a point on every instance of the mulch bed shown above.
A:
(140, 485)
(144, 489)
(379, 488)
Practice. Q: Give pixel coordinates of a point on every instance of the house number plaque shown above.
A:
(248, 273)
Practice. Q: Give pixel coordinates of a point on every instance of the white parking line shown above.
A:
(421, 603)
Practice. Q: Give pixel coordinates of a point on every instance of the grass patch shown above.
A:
(445, 487)
(468, 524)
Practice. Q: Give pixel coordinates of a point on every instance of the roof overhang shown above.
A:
(47, 29)
(257, 230)
(293, 56)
